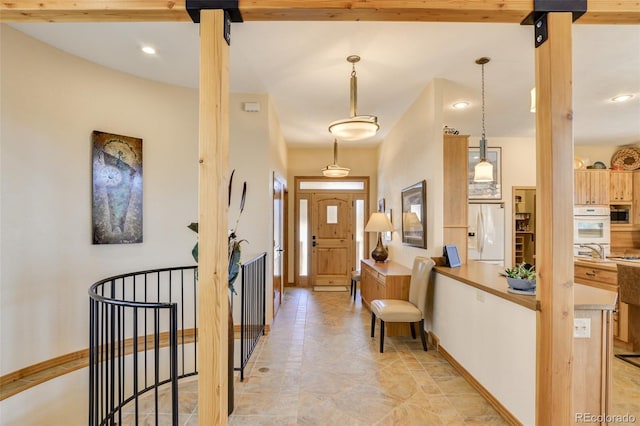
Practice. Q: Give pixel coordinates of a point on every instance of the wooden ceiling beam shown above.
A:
(489, 11)
(93, 11)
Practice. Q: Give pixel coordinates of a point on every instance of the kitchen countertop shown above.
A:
(487, 277)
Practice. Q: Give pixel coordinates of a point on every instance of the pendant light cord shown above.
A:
(483, 130)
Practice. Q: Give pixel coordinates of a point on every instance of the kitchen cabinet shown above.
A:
(605, 276)
(385, 280)
(620, 186)
(635, 207)
(591, 187)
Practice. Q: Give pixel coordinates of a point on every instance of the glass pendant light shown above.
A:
(483, 171)
(356, 127)
(333, 170)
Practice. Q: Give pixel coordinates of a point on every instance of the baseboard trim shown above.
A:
(236, 330)
(492, 400)
(36, 374)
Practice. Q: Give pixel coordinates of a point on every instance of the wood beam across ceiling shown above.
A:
(489, 11)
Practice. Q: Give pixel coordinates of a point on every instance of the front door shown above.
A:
(331, 239)
(330, 214)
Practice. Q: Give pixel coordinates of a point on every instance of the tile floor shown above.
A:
(318, 366)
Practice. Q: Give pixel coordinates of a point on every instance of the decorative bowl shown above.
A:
(521, 283)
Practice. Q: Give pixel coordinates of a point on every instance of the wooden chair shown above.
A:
(412, 310)
(355, 278)
(629, 287)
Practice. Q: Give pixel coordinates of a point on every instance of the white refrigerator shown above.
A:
(486, 232)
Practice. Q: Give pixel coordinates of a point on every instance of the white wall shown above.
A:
(51, 102)
(492, 338)
(256, 151)
(412, 152)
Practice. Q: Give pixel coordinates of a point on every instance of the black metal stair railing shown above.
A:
(253, 305)
(137, 323)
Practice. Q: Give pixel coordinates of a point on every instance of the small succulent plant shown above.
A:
(523, 271)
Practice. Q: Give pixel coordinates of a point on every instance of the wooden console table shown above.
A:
(385, 280)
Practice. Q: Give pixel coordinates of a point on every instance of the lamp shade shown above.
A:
(355, 128)
(483, 172)
(378, 222)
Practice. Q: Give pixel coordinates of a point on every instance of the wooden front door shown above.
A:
(331, 239)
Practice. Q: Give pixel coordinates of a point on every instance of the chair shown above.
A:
(355, 278)
(629, 288)
(412, 310)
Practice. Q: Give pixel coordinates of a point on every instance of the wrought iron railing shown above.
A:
(143, 336)
(137, 323)
(253, 305)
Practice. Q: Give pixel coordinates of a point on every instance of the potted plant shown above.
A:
(234, 252)
(521, 277)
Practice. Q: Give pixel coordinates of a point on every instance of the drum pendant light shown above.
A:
(356, 127)
(333, 170)
(483, 171)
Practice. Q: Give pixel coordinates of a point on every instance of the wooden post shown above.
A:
(554, 207)
(213, 297)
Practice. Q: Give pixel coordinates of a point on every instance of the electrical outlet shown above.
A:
(582, 328)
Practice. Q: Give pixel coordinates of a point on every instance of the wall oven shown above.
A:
(591, 225)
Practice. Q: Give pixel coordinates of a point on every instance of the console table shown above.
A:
(385, 280)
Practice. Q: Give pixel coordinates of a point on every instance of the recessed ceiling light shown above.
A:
(621, 98)
(149, 50)
(460, 105)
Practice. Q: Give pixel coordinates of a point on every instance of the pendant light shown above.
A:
(483, 171)
(333, 170)
(356, 127)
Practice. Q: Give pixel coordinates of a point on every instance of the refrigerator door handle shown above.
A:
(479, 233)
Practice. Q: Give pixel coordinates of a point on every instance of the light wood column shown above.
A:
(213, 298)
(456, 192)
(554, 227)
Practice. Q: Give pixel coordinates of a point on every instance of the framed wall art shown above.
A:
(486, 190)
(414, 217)
(117, 189)
(388, 235)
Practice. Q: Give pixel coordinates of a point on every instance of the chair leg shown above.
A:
(355, 290)
(381, 336)
(373, 324)
(351, 292)
(413, 330)
(422, 335)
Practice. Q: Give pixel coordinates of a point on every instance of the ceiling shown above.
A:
(303, 67)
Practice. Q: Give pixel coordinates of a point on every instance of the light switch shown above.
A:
(582, 328)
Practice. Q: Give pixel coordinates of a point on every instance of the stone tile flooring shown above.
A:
(318, 366)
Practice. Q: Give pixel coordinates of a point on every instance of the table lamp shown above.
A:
(379, 222)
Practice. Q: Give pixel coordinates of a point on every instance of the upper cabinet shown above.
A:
(591, 187)
(621, 185)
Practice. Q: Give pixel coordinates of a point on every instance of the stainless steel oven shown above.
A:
(591, 225)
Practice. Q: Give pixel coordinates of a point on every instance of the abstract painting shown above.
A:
(117, 189)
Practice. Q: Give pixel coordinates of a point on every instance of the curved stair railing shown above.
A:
(137, 323)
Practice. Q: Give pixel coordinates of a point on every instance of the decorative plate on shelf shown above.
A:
(628, 158)
(599, 165)
(578, 164)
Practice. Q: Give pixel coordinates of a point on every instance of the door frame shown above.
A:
(278, 180)
(307, 194)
